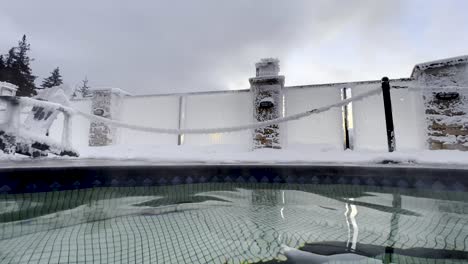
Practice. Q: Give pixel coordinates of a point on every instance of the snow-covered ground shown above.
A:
(293, 154)
(226, 154)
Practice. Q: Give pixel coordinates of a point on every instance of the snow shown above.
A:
(80, 125)
(113, 90)
(293, 154)
(439, 63)
(8, 86)
(57, 96)
(267, 100)
(267, 67)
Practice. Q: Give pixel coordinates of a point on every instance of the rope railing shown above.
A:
(12, 123)
(204, 130)
(15, 104)
(116, 123)
(68, 110)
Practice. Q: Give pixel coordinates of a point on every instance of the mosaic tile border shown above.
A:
(28, 180)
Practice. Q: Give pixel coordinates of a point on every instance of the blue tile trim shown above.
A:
(27, 180)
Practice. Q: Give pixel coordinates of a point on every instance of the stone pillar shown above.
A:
(267, 94)
(445, 95)
(105, 103)
(7, 89)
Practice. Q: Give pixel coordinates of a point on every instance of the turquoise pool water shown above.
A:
(234, 223)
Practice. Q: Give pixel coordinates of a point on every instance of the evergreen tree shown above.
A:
(84, 89)
(17, 69)
(2, 68)
(55, 79)
(74, 95)
(8, 73)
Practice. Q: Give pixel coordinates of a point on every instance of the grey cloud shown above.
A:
(173, 46)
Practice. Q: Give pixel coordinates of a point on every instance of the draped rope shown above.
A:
(91, 117)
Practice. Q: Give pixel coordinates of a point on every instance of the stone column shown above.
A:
(445, 94)
(105, 103)
(8, 89)
(267, 94)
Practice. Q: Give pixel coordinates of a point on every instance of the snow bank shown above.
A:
(234, 154)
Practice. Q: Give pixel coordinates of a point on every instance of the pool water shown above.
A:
(235, 223)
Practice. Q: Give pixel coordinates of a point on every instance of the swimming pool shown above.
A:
(233, 214)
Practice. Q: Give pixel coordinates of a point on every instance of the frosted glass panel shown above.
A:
(369, 119)
(2, 111)
(151, 111)
(324, 128)
(219, 110)
(409, 119)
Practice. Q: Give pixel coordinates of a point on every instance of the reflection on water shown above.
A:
(218, 223)
(353, 230)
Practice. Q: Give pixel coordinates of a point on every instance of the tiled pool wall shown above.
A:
(43, 179)
(231, 213)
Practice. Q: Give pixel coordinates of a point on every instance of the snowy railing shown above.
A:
(410, 129)
(13, 125)
(227, 129)
(29, 131)
(15, 104)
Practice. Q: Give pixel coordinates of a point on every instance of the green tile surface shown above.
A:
(225, 223)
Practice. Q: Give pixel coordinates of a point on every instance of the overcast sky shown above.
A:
(173, 46)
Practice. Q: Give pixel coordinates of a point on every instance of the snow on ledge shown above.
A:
(233, 154)
(8, 86)
(439, 63)
(295, 154)
(113, 90)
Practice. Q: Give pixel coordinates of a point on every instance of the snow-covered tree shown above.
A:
(15, 68)
(84, 89)
(55, 79)
(2, 64)
(74, 94)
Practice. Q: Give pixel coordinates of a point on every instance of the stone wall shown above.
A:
(100, 134)
(105, 103)
(445, 95)
(268, 104)
(267, 98)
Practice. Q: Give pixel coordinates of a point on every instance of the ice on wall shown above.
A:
(324, 128)
(41, 118)
(80, 125)
(218, 110)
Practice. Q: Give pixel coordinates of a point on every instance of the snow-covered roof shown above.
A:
(267, 67)
(439, 63)
(8, 86)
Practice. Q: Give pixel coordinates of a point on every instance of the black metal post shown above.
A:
(345, 121)
(180, 137)
(388, 114)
